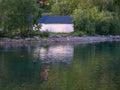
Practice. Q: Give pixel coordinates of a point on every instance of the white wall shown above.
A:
(57, 27)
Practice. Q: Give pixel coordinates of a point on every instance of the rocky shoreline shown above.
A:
(59, 39)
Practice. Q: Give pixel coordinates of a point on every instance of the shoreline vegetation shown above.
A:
(58, 39)
(90, 17)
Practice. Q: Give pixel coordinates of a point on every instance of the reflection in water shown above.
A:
(55, 54)
(44, 73)
(93, 67)
(52, 54)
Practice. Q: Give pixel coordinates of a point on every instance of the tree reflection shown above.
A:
(61, 67)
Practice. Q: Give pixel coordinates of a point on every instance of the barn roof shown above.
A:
(55, 19)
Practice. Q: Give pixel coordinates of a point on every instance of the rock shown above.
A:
(37, 38)
(13, 40)
(6, 39)
(27, 39)
(17, 37)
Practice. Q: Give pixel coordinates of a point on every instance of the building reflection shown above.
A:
(61, 54)
(55, 54)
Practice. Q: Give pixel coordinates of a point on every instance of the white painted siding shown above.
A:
(57, 27)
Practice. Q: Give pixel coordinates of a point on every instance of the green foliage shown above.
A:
(114, 26)
(18, 15)
(46, 7)
(103, 22)
(106, 23)
(79, 33)
(94, 21)
(84, 4)
(44, 34)
(104, 5)
(82, 22)
(1, 34)
(89, 16)
(64, 7)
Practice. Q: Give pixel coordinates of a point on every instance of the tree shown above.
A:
(64, 7)
(82, 22)
(19, 16)
(2, 12)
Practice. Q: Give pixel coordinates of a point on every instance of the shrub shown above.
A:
(102, 22)
(79, 33)
(114, 26)
(106, 23)
(94, 21)
(82, 22)
(44, 34)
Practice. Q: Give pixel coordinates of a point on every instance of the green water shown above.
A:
(68, 67)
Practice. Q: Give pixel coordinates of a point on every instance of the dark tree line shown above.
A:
(89, 16)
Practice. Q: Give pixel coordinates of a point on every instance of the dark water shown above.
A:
(60, 67)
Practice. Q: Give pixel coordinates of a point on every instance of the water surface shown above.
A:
(60, 67)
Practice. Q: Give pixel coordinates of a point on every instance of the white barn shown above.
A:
(56, 24)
